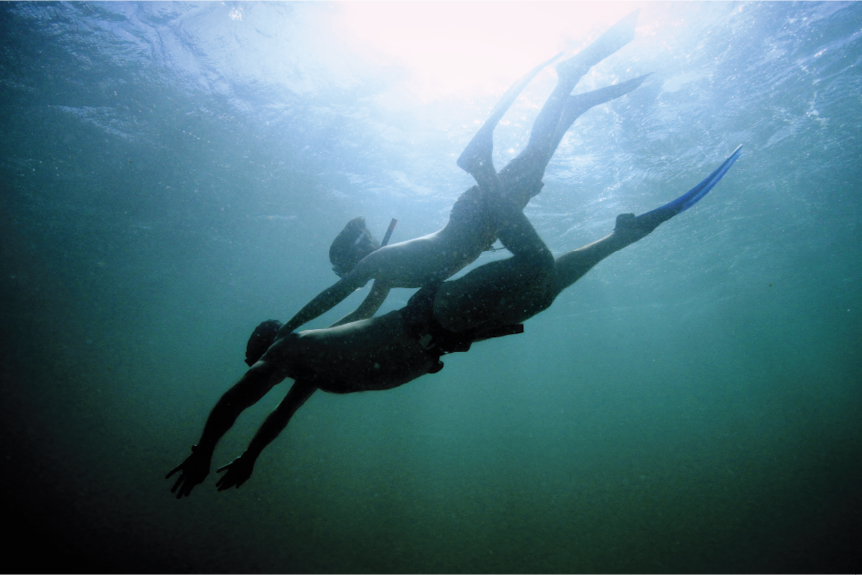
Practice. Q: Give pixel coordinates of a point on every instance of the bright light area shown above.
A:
(452, 47)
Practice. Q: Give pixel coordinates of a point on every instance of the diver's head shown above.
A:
(350, 246)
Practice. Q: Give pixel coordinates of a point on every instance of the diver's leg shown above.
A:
(516, 232)
(522, 177)
(476, 157)
(497, 290)
(529, 166)
(570, 72)
(630, 229)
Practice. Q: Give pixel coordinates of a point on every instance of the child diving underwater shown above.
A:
(473, 224)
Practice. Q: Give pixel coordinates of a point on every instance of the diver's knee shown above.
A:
(546, 260)
(540, 261)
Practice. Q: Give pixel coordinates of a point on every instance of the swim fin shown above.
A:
(476, 157)
(577, 105)
(646, 223)
(698, 192)
(608, 43)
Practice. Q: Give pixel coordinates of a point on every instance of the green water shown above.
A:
(691, 405)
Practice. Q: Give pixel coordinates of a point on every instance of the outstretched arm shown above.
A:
(369, 306)
(256, 382)
(240, 469)
(324, 301)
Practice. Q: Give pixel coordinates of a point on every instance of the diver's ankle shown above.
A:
(629, 229)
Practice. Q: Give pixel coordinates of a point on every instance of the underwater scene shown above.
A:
(173, 174)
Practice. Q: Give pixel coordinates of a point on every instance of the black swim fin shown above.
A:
(577, 105)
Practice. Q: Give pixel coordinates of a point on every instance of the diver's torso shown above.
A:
(437, 256)
(367, 355)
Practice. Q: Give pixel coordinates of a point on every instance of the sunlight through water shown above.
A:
(448, 47)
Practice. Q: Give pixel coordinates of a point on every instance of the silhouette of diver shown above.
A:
(390, 350)
(473, 224)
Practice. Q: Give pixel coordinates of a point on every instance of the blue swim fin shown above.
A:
(697, 193)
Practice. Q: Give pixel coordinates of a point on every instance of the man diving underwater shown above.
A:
(390, 350)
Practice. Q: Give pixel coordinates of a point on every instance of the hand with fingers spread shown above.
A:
(238, 472)
(193, 471)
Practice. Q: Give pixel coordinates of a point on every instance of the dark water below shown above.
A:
(173, 174)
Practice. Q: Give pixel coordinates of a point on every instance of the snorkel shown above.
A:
(388, 232)
(386, 237)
